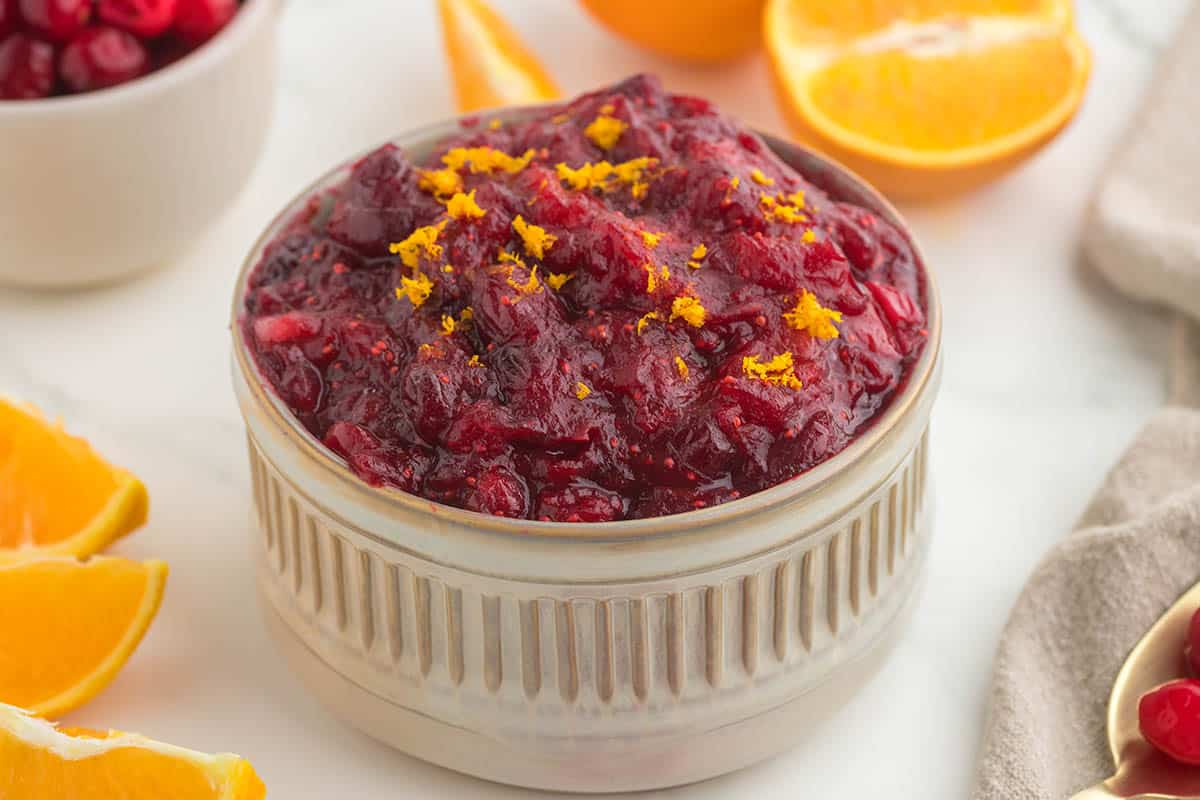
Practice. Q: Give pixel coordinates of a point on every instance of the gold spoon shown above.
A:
(1143, 772)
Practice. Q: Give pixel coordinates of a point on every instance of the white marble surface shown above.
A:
(1048, 375)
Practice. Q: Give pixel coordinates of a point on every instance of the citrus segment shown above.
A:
(67, 627)
(490, 65)
(57, 496)
(42, 761)
(815, 21)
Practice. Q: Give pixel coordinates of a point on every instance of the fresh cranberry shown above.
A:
(26, 68)
(580, 504)
(1192, 649)
(289, 328)
(200, 20)
(144, 18)
(1169, 717)
(101, 57)
(900, 308)
(500, 492)
(10, 18)
(58, 19)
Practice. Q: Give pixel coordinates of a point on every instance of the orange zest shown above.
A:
(813, 318)
(489, 64)
(74, 624)
(43, 761)
(779, 370)
(57, 495)
(927, 98)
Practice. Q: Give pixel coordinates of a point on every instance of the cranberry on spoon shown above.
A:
(1169, 718)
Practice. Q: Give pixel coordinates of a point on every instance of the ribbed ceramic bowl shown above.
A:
(591, 657)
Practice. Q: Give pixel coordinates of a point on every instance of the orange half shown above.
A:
(39, 761)
(490, 65)
(67, 627)
(927, 97)
(57, 496)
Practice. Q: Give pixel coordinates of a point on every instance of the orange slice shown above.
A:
(57, 496)
(67, 627)
(927, 97)
(705, 31)
(39, 761)
(490, 65)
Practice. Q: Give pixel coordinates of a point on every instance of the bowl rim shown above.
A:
(922, 377)
(204, 58)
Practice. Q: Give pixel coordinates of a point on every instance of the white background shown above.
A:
(1048, 375)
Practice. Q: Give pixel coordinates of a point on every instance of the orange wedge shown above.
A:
(67, 627)
(57, 496)
(705, 31)
(39, 761)
(927, 97)
(490, 65)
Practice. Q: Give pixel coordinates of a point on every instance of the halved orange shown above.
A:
(67, 627)
(57, 496)
(39, 761)
(705, 31)
(490, 65)
(927, 97)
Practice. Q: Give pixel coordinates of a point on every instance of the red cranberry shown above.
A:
(101, 57)
(1192, 649)
(1169, 717)
(144, 18)
(10, 18)
(58, 19)
(289, 328)
(200, 20)
(500, 492)
(26, 68)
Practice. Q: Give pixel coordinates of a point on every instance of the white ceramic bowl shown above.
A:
(97, 187)
(591, 657)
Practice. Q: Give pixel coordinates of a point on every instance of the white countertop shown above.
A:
(1048, 375)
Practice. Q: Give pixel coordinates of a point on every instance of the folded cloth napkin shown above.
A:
(1137, 547)
(1144, 235)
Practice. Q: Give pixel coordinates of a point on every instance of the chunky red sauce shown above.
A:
(671, 319)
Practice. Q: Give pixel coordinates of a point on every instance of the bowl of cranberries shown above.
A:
(588, 441)
(126, 128)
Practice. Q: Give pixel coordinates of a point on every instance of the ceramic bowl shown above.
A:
(100, 186)
(591, 657)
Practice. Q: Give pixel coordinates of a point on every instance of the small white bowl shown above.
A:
(98, 187)
(593, 657)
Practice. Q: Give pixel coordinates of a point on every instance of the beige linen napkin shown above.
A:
(1145, 231)
(1137, 547)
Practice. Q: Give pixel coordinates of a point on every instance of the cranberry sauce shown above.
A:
(623, 307)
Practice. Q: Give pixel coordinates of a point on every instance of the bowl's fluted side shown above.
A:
(591, 675)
